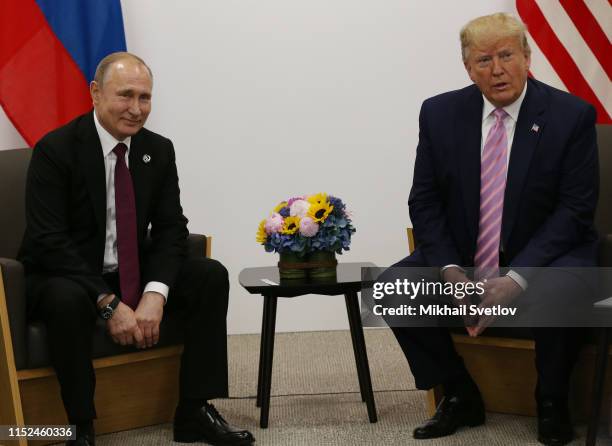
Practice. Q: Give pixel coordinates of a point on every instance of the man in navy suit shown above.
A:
(95, 186)
(506, 175)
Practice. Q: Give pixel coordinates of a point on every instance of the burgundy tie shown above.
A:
(127, 241)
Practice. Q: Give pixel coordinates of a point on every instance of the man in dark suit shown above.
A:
(94, 188)
(506, 175)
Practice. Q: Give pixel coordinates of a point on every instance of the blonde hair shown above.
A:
(109, 60)
(490, 28)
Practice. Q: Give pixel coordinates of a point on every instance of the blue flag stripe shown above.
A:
(89, 29)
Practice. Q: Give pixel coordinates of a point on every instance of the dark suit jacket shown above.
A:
(66, 207)
(551, 190)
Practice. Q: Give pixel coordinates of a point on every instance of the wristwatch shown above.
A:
(106, 312)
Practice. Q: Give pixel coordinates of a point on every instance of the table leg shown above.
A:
(598, 384)
(262, 347)
(356, 352)
(352, 307)
(270, 316)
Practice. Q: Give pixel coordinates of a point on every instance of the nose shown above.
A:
(134, 107)
(497, 67)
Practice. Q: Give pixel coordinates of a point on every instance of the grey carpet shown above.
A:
(317, 362)
(316, 398)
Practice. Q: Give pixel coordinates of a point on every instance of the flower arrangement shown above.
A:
(306, 224)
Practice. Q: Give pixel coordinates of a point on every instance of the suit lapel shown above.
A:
(91, 160)
(531, 120)
(469, 125)
(137, 166)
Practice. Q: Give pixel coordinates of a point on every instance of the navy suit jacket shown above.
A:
(66, 208)
(551, 189)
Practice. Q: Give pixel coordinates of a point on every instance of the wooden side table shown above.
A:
(266, 281)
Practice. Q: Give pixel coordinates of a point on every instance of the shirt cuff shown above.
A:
(445, 267)
(520, 280)
(101, 296)
(157, 287)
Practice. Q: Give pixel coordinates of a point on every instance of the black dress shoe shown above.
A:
(452, 413)
(206, 424)
(554, 425)
(83, 439)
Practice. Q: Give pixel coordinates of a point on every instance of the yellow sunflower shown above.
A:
(317, 198)
(320, 211)
(261, 232)
(291, 225)
(279, 206)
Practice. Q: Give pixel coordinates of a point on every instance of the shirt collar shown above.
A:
(512, 109)
(107, 140)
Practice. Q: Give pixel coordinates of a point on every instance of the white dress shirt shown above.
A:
(111, 258)
(488, 120)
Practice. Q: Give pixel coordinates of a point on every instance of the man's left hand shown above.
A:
(498, 291)
(148, 316)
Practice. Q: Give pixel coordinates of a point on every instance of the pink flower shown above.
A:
(299, 208)
(308, 227)
(274, 223)
(291, 200)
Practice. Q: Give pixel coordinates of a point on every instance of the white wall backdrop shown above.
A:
(268, 99)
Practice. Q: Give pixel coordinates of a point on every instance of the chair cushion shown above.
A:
(13, 170)
(171, 333)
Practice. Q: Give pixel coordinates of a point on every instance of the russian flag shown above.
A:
(49, 50)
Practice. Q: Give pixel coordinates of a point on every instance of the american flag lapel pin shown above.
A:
(535, 128)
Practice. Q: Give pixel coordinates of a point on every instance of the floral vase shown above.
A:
(322, 265)
(291, 266)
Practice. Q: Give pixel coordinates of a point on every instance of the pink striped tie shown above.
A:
(493, 166)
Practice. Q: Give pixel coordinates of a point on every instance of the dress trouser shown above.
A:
(433, 359)
(199, 297)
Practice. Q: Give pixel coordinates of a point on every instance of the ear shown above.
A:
(94, 91)
(468, 68)
(528, 61)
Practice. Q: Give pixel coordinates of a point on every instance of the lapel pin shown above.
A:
(535, 128)
(147, 158)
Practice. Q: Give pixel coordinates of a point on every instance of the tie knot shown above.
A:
(120, 150)
(500, 114)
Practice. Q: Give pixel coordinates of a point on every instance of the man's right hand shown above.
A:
(123, 327)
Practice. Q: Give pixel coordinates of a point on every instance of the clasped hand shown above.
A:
(498, 291)
(138, 327)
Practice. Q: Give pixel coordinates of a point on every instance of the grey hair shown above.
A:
(112, 58)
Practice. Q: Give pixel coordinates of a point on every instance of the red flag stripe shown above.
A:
(59, 95)
(591, 32)
(558, 56)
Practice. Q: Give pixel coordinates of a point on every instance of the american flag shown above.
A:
(571, 47)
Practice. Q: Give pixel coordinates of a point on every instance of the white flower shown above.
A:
(299, 208)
